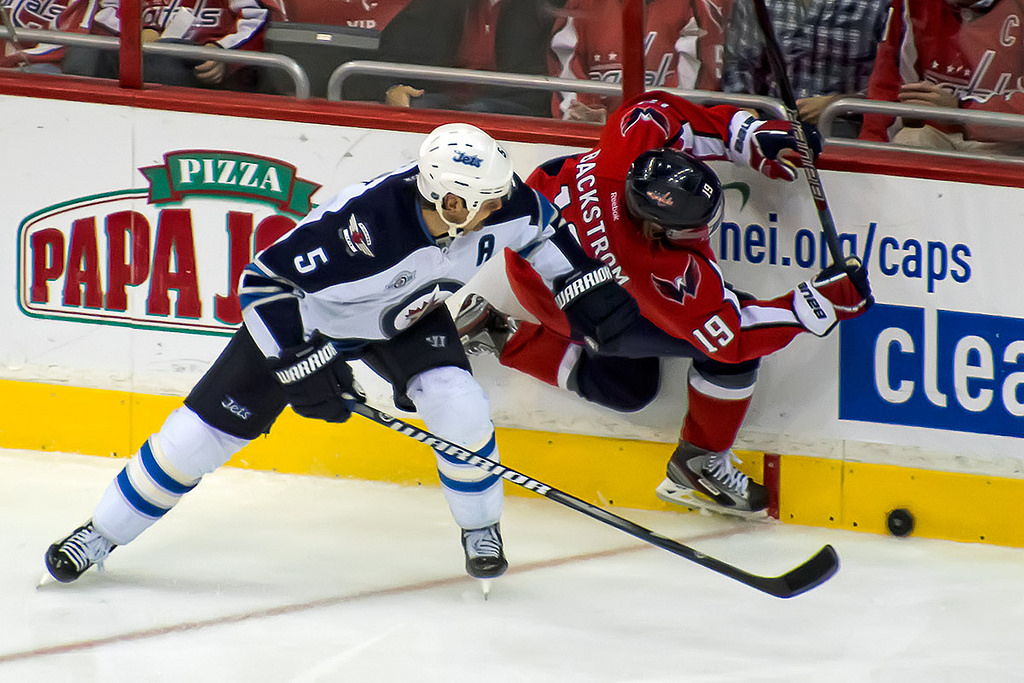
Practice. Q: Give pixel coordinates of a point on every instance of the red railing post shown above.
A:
(131, 44)
(633, 34)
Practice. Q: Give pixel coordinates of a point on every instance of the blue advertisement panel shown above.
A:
(943, 369)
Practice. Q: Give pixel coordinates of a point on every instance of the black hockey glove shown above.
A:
(598, 308)
(318, 383)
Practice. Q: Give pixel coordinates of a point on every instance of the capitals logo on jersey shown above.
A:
(649, 114)
(357, 238)
(681, 287)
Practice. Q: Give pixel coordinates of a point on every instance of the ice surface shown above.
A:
(262, 577)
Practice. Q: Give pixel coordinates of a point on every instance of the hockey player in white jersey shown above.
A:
(364, 276)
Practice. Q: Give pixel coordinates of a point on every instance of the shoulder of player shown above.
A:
(523, 202)
(662, 113)
(363, 230)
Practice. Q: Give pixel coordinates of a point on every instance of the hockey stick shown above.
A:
(811, 573)
(778, 67)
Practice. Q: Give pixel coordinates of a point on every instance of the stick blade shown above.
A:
(811, 574)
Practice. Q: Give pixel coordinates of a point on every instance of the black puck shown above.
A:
(900, 522)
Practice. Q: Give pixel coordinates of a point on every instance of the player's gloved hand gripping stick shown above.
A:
(811, 573)
(844, 284)
(317, 382)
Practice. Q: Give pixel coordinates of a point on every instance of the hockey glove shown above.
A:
(839, 292)
(317, 383)
(599, 310)
(770, 147)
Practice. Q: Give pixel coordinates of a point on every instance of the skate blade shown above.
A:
(485, 587)
(45, 580)
(671, 492)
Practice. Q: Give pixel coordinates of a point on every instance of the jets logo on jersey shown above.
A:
(357, 238)
(683, 286)
(416, 305)
(645, 114)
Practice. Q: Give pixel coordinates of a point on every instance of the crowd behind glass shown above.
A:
(961, 54)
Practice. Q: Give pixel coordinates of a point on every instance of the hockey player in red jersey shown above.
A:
(645, 204)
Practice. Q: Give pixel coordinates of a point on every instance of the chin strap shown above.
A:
(456, 229)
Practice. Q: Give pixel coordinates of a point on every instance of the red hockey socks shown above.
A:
(714, 413)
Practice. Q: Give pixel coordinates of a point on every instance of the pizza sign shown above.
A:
(166, 256)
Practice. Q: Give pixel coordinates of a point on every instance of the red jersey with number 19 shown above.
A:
(679, 287)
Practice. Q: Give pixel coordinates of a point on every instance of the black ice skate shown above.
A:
(68, 558)
(701, 479)
(482, 328)
(485, 558)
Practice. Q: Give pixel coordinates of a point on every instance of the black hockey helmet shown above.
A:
(682, 195)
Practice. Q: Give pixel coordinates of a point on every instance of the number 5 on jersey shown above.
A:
(307, 263)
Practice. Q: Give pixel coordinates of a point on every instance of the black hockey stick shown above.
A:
(778, 67)
(811, 573)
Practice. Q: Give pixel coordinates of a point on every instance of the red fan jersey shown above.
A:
(682, 48)
(679, 288)
(230, 24)
(35, 15)
(977, 56)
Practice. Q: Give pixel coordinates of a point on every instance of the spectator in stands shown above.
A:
(372, 14)
(682, 49)
(26, 55)
(488, 35)
(828, 46)
(227, 24)
(966, 54)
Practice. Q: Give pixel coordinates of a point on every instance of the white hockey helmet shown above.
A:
(462, 160)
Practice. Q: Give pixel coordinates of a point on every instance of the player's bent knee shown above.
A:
(623, 384)
(453, 405)
(736, 376)
(193, 447)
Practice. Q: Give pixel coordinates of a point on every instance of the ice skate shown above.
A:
(705, 480)
(70, 557)
(482, 328)
(485, 557)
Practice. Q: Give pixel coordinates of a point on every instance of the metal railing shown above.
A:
(772, 108)
(845, 106)
(216, 54)
(766, 106)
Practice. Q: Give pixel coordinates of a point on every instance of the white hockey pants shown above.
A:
(454, 407)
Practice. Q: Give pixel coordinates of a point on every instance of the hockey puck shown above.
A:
(900, 522)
